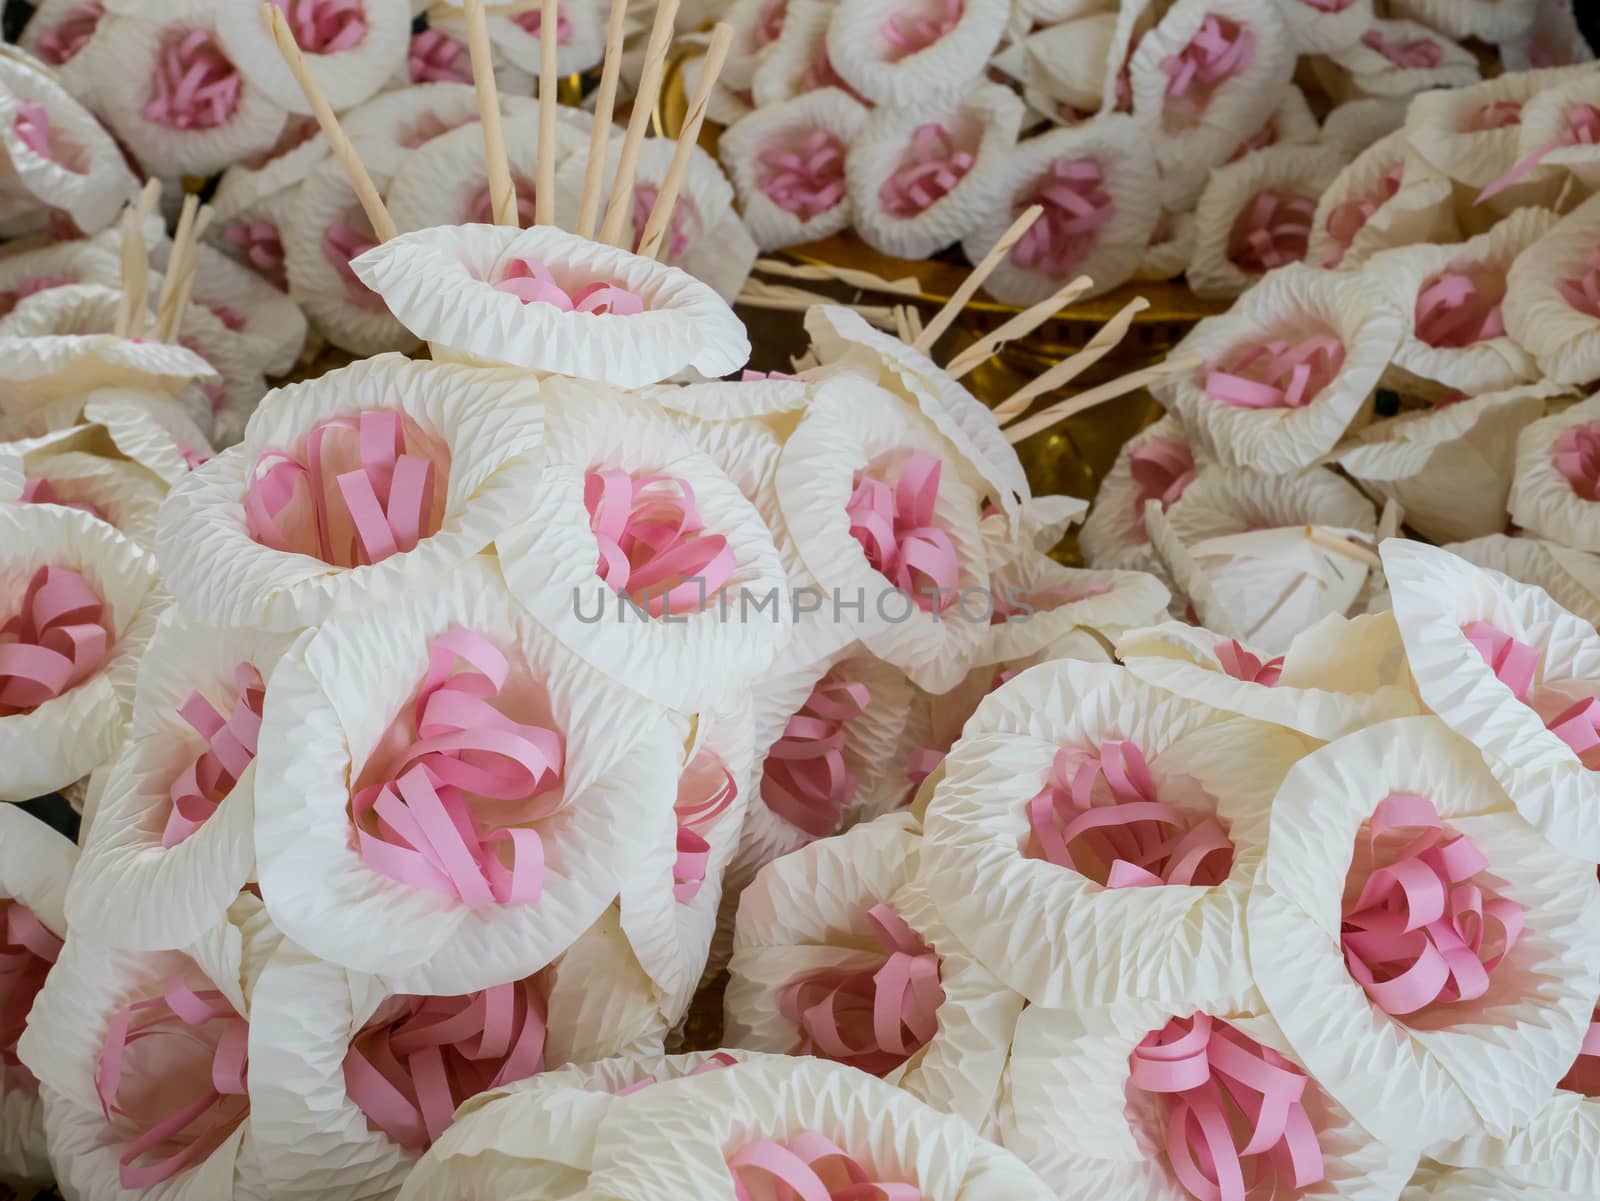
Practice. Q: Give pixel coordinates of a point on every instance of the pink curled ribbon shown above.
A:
(31, 286)
(769, 23)
(705, 791)
(423, 826)
(652, 542)
(1264, 137)
(27, 949)
(530, 281)
(1272, 230)
(1419, 932)
(644, 200)
(1457, 308)
(230, 748)
(32, 128)
(203, 1047)
(325, 26)
(1347, 218)
(436, 57)
(192, 458)
(1582, 129)
(532, 21)
(348, 518)
(1419, 54)
(807, 780)
(62, 41)
(1515, 664)
(194, 84)
(1236, 1122)
(911, 29)
(714, 1063)
(895, 526)
(409, 1069)
(1098, 815)
(930, 168)
(1498, 114)
(39, 491)
(259, 243)
(1161, 468)
(1076, 208)
(57, 640)
(1584, 1074)
(1582, 292)
(808, 1167)
(806, 182)
(1577, 456)
(1276, 374)
(1220, 50)
(871, 1018)
(340, 244)
(1242, 665)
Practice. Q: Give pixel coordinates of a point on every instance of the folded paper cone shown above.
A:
(1384, 197)
(1552, 301)
(1157, 464)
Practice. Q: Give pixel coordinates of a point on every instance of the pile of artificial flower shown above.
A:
(440, 737)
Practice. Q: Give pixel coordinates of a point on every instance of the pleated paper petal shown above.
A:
(1547, 500)
(1486, 20)
(1355, 125)
(345, 75)
(1571, 577)
(1542, 287)
(1384, 198)
(57, 33)
(1398, 58)
(1321, 28)
(122, 494)
(1113, 535)
(903, 54)
(1047, 601)
(248, 305)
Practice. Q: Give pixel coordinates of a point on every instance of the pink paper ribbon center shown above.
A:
(1577, 456)
(230, 748)
(808, 1167)
(532, 282)
(1076, 207)
(62, 41)
(1460, 306)
(1273, 229)
(1236, 1125)
(1162, 469)
(422, 1056)
(1099, 815)
(930, 168)
(807, 780)
(769, 24)
(1582, 128)
(1582, 292)
(1347, 218)
(1419, 54)
(644, 200)
(807, 181)
(468, 786)
(27, 949)
(1420, 931)
(1277, 374)
(913, 27)
(57, 640)
(362, 489)
(325, 26)
(652, 543)
(1242, 665)
(260, 245)
(180, 1042)
(32, 128)
(194, 85)
(533, 20)
(436, 57)
(1220, 50)
(1516, 665)
(40, 491)
(342, 242)
(897, 528)
(705, 792)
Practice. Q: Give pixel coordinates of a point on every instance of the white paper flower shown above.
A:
(1098, 187)
(1037, 602)
(1384, 198)
(1066, 894)
(35, 863)
(840, 953)
(26, 273)
(642, 557)
(787, 161)
(171, 93)
(1555, 493)
(569, 783)
(553, 302)
(80, 603)
(172, 843)
(1158, 464)
(887, 529)
(1335, 676)
(1552, 301)
(924, 177)
(1237, 549)
(54, 471)
(1486, 20)
(270, 509)
(1462, 1023)
(580, 37)
(1453, 296)
(1324, 26)
(57, 33)
(1508, 669)
(1204, 79)
(149, 428)
(57, 156)
(124, 1043)
(796, 61)
(1398, 58)
(1571, 577)
(1288, 369)
(351, 47)
(1256, 215)
(249, 306)
(344, 1072)
(908, 52)
(1449, 468)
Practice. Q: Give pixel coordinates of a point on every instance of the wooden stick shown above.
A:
(644, 103)
(355, 170)
(761, 295)
(594, 174)
(544, 187)
(502, 192)
(1109, 390)
(1344, 546)
(175, 263)
(1063, 373)
(660, 220)
(906, 285)
(191, 271)
(956, 303)
(913, 320)
(1020, 326)
(136, 262)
